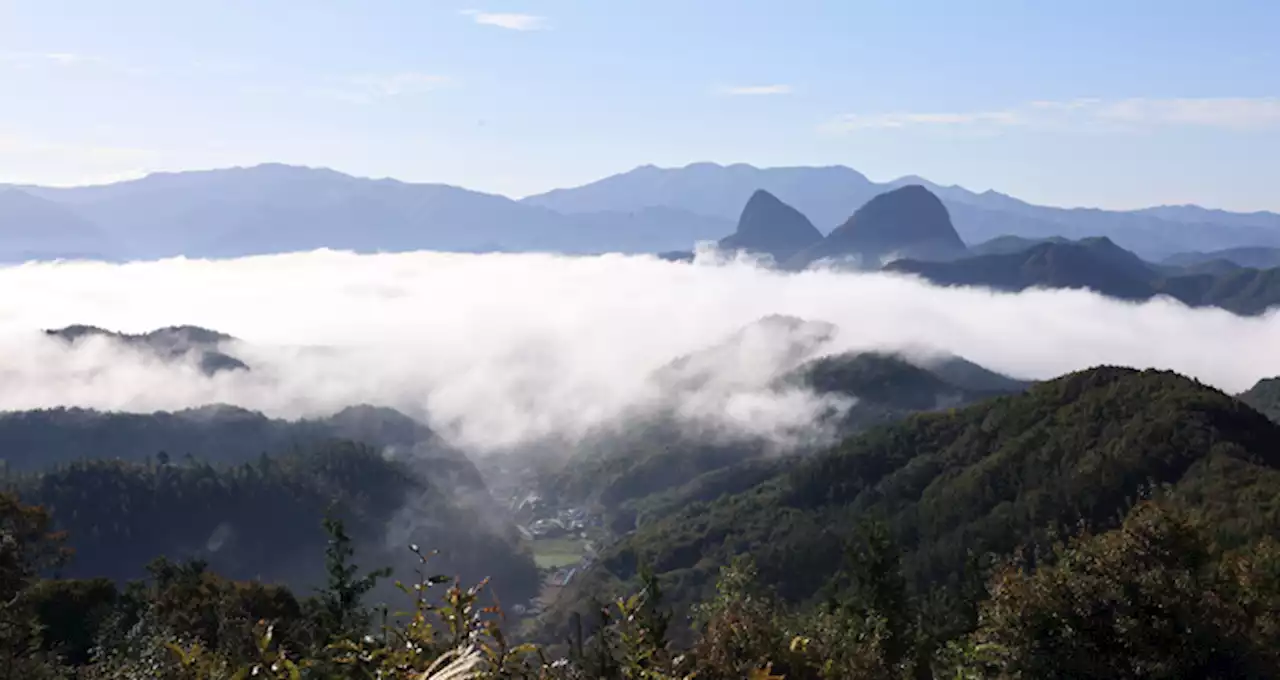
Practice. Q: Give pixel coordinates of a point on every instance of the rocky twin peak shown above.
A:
(769, 226)
(908, 222)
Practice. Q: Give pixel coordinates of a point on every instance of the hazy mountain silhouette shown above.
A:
(1194, 214)
(905, 222)
(771, 227)
(828, 195)
(1259, 257)
(1100, 265)
(201, 346)
(1005, 245)
(1264, 397)
(276, 208)
(1096, 264)
(825, 195)
(33, 228)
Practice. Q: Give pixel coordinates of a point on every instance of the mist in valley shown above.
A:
(499, 349)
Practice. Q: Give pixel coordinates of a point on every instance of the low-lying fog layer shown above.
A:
(496, 348)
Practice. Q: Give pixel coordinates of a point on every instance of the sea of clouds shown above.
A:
(497, 349)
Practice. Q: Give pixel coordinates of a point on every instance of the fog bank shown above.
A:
(494, 349)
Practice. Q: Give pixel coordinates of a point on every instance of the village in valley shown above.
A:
(564, 540)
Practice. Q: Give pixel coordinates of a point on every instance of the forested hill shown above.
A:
(661, 456)
(37, 440)
(247, 493)
(988, 477)
(262, 519)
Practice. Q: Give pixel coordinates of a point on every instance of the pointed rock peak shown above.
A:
(769, 226)
(907, 222)
(907, 212)
(761, 200)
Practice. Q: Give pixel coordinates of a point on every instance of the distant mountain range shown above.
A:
(277, 208)
(829, 195)
(1098, 264)
(908, 230)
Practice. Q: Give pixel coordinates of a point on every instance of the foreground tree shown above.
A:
(28, 547)
(1147, 600)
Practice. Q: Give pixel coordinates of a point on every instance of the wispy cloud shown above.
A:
(1239, 113)
(1229, 112)
(14, 144)
(362, 89)
(396, 84)
(222, 66)
(69, 61)
(26, 159)
(32, 59)
(748, 90)
(513, 22)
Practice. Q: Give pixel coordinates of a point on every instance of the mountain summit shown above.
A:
(767, 225)
(908, 222)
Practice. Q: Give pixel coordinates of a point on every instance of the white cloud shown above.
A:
(510, 21)
(223, 66)
(854, 122)
(492, 364)
(68, 61)
(34, 160)
(363, 89)
(755, 89)
(1226, 112)
(27, 60)
(396, 84)
(1240, 113)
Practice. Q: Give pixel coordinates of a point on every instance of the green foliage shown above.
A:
(249, 521)
(869, 560)
(649, 468)
(1149, 599)
(1144, 601)
(40, 439)
(346, 588)
(983, 479)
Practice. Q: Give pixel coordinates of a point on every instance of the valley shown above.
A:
(659, 340)
(813, 435)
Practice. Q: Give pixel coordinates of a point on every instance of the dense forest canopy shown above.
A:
(260, 520)
(987, 478)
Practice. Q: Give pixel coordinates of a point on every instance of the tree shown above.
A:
(28, 548)
(345, 590)
(1146, 600)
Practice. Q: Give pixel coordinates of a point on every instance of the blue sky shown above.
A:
(1116, 103)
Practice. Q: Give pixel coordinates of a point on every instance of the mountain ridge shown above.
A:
(275, 207)
(1098, 264)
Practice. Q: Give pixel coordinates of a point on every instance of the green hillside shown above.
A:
(988, 477)
(261, 520)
